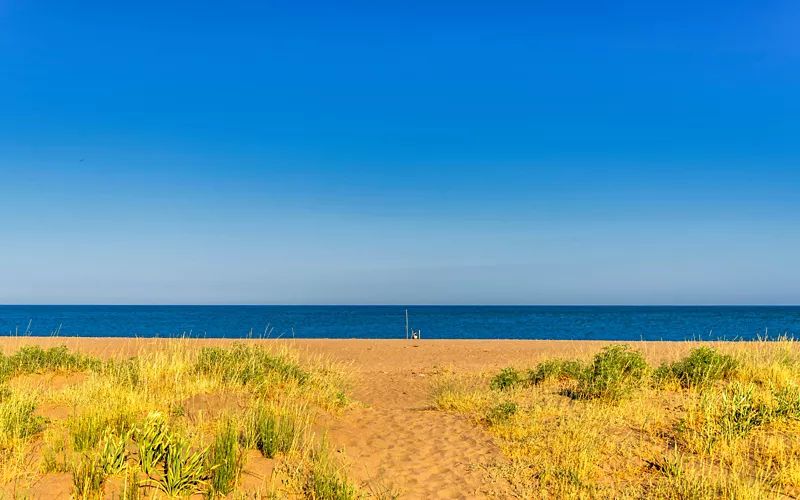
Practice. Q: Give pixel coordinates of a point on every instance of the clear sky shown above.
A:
(574, 152)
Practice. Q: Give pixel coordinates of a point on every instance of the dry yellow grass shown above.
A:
(737, 437)
(149, 425)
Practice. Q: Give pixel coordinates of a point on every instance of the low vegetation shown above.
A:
(715, 422)
(170, 422)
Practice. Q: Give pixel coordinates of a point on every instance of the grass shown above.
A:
(127, 432)
(273, 429)
(185, 469)
(326, 479)
(615, 373)
(87, 478)
(704, 366)
(34, 359)
(17, 418)
(717, 422)
(226, 458)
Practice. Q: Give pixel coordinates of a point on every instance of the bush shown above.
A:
(615, 372)
(501, 412)
(555, 369)
(702, 367)
(506, 379)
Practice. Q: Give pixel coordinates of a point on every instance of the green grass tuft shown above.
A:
(248, 365)
(556, 369)
(506, 379)
(226, 459)
(701, 368)
(613, 375)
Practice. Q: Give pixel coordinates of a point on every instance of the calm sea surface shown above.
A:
(381, 322)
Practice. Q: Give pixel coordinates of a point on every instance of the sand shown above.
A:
(397, 440)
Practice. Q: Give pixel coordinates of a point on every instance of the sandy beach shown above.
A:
(396, 437)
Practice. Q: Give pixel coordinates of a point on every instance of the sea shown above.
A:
(629, 323)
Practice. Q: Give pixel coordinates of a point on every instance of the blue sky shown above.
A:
(419, 152)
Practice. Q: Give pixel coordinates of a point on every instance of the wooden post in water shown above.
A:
(406, 324)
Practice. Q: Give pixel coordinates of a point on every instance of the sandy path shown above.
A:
(399, 442)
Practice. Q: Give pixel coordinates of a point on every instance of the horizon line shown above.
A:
(378, 305)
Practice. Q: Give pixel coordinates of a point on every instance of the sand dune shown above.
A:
(396, 441)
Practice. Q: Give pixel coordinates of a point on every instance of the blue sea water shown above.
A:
(388, 322)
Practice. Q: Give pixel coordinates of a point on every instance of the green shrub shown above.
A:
(702, 367)
(615, 372)
(501, 412)
(506, 379)
(555, 369)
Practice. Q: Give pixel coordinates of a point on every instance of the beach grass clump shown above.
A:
(702, 367)
(273, 429)
(170, 460)
(614, 374)
(786, 402)
(248, 365)
(87, 478)
(733, 412)
(700, 486)
(501, 412)
(18, 419)
(34, 359)
(86, 430)
(556, 370)
(462, 394)
(225, 458)
(327, 479)
(124, 372)
(508, 378)
(55, 452)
